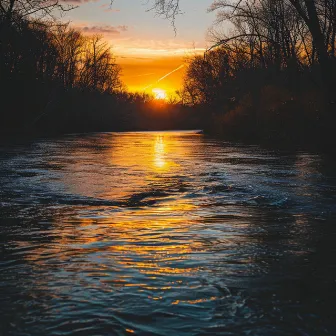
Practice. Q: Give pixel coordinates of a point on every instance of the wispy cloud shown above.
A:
(77, 2)
(109, 8)
(101, 29)
(126, 42)
(148, 53)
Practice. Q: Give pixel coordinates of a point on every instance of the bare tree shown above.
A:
(70, 45)
(99, 70)
(31, 8)
(272, 28)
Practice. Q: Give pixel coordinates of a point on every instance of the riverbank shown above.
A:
(278, 120)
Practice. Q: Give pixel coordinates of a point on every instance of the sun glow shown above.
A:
(159, 93)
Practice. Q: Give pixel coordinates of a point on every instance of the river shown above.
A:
(165, 233)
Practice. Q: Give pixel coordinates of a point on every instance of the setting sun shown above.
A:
(159, 94)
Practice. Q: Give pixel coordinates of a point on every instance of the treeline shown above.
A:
(273, 77)
(56, 80)
(43, 64)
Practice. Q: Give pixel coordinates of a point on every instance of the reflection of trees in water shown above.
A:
(284, 280)
(286, 284)
(267, 267)
(21, 295)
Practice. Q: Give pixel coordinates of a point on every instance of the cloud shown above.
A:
(77, 2)
(103, 29)
(105, 7)
(143, 48)
(108, 8)
(158, 45)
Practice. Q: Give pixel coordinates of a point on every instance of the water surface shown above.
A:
(165, 233)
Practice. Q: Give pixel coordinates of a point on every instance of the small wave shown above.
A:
(266, 201)
(139, 198)
(223, 188)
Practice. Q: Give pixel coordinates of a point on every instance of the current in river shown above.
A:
(165, 233)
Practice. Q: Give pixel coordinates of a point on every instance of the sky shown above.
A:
(145, 45)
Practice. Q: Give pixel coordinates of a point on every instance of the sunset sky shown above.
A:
(145, 45)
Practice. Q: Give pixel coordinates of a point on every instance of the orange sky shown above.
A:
(146, 45)
(144, 72)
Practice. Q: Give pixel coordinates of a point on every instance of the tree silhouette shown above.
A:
(277, 32)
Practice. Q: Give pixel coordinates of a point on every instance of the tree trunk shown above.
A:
(321, 48)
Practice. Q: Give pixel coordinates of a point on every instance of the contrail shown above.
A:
(163, 77)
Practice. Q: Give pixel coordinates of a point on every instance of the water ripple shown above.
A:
(165, 232)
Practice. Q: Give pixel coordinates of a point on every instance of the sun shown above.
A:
(159, 93)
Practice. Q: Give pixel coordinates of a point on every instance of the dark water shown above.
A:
(165, 234)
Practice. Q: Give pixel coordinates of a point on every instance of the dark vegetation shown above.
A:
(47, 68)
(272, 79)
(55, 80)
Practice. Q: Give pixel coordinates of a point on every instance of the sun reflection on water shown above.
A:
(119, 158)
(159, 152)
(147, 231)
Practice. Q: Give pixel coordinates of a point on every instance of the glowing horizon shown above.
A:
(153, 66)
(145, 46)
(142, 75)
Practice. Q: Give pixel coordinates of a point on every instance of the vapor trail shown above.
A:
(163, 77)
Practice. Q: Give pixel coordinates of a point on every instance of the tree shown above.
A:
(70, 47)
(31, 8)
(99, 70)
(250, 17)
(307, 10)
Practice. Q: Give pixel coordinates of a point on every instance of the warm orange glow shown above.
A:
(159, 93)
(155, 156)
(159, 152)
(139, 73)
(152, 153)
